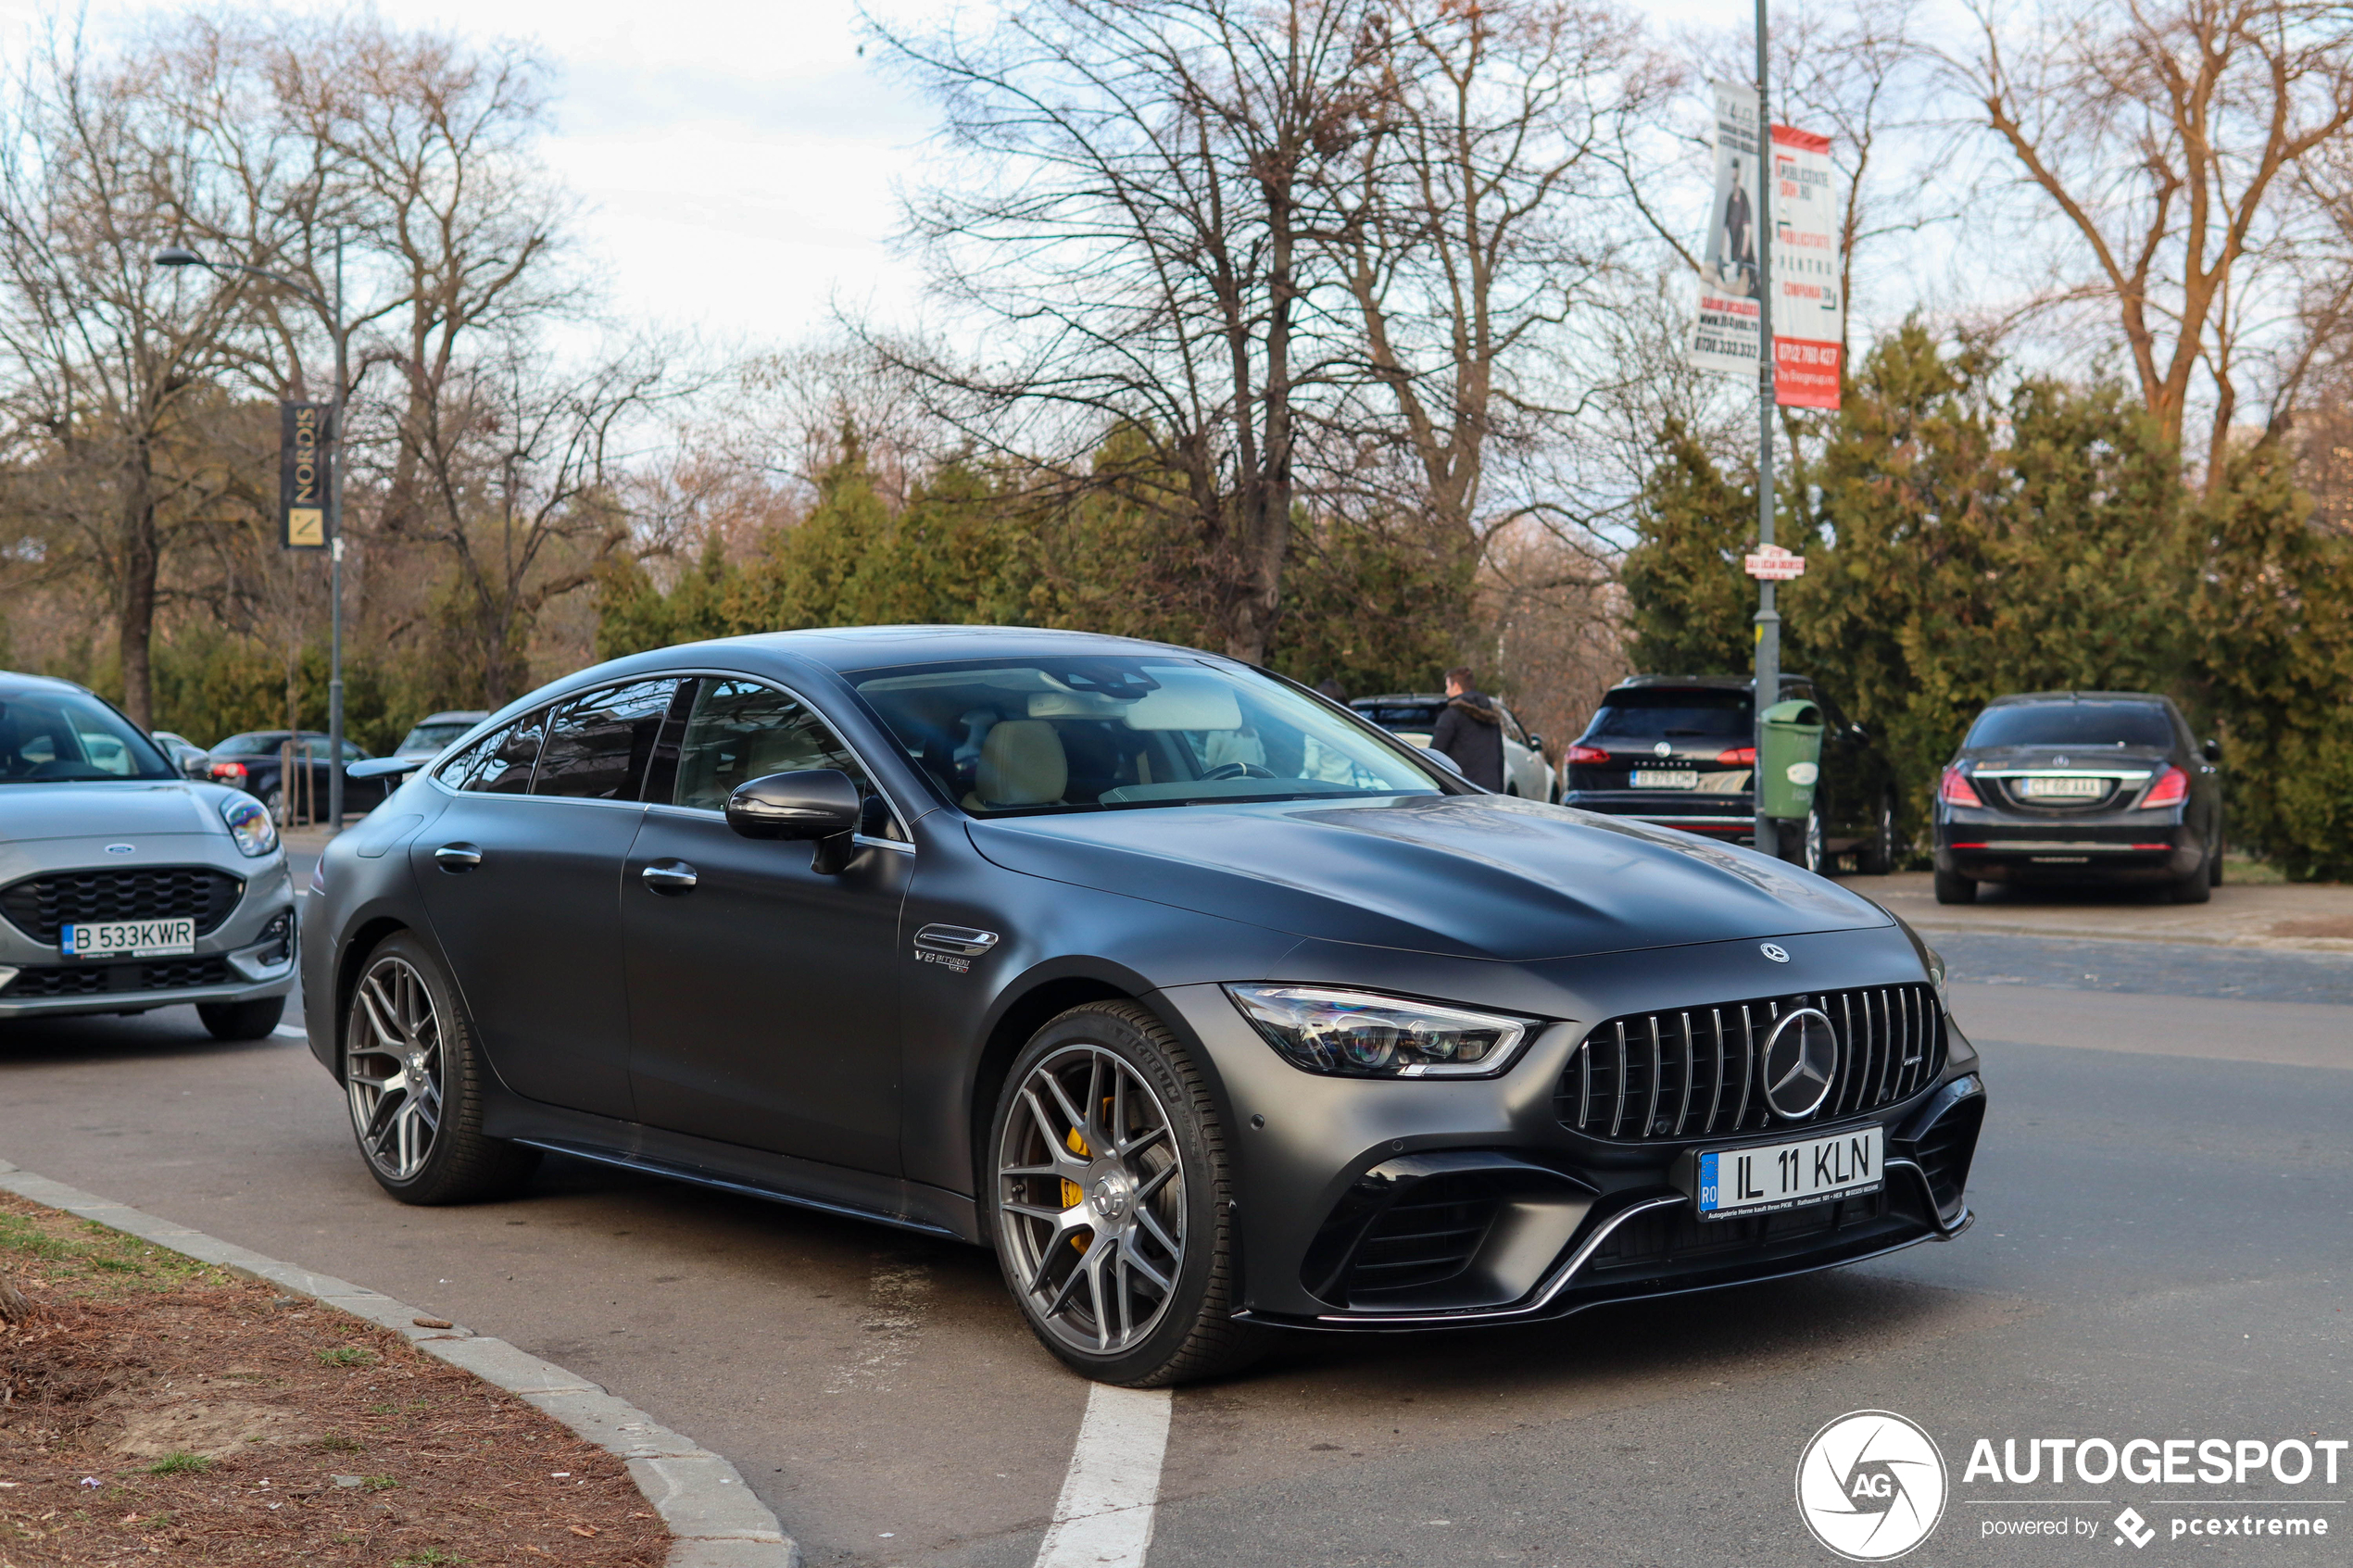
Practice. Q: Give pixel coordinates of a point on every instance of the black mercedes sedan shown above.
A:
(1209, 1007)
(1681, 750)
(255, 762)
(2081, 787)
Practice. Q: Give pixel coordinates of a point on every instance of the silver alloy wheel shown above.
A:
(1816, 852)
(1090, 1200)
(393, 1068)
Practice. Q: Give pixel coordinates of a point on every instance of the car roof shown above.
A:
(455, 716)
(2014, 699)
(1717, 682)
(14, 682)
(1399, 696)
(844, 649)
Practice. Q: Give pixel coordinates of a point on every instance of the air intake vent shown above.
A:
(1700, 1072)
(1430, 1236)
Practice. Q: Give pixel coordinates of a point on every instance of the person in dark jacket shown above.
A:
(1470, 730)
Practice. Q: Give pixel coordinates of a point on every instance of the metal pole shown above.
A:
(334, 562)
(1768, 621)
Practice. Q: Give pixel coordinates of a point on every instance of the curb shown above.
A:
(713, 1518)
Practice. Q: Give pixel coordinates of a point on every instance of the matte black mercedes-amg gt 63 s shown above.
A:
(1206, 1004)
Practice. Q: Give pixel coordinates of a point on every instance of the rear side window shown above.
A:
(1665, 713)
(739, 730)
(500, 762)
(597, 744)
(1404, 715)
(2073, 723)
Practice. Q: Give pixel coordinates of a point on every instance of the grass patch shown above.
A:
(335, 1442)
(348, 1355)
(2250, 874)
(180, 1463)
(380, 1483)
(45, 1249)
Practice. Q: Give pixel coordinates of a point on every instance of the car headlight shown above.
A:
(1364, 1034)
(249, 825)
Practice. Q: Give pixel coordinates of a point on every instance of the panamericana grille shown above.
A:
(1700, 1072)
(88, 980)
(39, 905)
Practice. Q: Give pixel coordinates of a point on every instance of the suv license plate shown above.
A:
(1666, 778)
(127, 939)
(1786, 1176)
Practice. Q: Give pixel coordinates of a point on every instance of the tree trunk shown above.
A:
(135, 604)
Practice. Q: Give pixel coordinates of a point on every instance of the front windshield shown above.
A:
(63, 737)
(1035, 736)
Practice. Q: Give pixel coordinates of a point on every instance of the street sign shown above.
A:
(305, 450)
(1774, 564)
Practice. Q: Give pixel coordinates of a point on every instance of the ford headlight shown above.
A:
(1364, 1035)
(249, 825)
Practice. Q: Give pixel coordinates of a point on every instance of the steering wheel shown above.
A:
(1239, 771)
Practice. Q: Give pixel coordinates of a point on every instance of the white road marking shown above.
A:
(897, 1293)
(1104, 1516)
(292, 1032)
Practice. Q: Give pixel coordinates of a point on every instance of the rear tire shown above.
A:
(413, 1079)
(1062, 1193)
(2198, 886)
(241, 1021)
(1876, 854)
(1954, 888)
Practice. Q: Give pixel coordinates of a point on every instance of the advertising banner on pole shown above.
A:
(303, 456)
(1809, 313)
(1725, 340)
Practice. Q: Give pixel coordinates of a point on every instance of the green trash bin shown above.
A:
(1789, 759)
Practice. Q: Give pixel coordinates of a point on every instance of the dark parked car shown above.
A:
(433, 733)
(1206, 1005)
(1681, 750)
(2104, 787)
(255, 763)
(1414, 715)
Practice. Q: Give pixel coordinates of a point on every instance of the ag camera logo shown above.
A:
(1872, 1486)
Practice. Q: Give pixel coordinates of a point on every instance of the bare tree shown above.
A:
(110, 396)
(2168, 138)
(1473, 223)
(1129, 217)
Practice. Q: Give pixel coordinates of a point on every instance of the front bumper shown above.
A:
(251, 955)
(1335, 1175)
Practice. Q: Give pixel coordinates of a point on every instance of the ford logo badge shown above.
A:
(122, 849)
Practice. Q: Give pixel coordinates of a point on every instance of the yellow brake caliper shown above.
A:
(1072, 1196)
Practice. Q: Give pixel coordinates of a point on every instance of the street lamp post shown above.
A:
(180, 256)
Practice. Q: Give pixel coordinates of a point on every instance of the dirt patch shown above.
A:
(2328, 925)
(154, 1410)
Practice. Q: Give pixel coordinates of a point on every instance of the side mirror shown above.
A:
(2212, 750)
(1862, 735)
(811, 803)
(1442, 761)
(1535, 741)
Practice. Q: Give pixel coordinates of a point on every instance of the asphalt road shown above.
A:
(2162, 1251)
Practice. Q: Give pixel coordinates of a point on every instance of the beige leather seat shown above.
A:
(1021, 763)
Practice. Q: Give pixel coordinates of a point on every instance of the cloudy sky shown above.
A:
(738, 160)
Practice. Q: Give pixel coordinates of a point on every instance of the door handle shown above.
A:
(671, 877)
(457, 857)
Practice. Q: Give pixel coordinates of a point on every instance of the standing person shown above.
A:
(1470, 730)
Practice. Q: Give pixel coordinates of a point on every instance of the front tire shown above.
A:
(413, 1080)
(241, 1021)
(1876, 856)
(1954, 888)
(1109, 1198)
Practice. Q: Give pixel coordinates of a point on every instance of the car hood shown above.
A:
(32, 811)
(1473, 876)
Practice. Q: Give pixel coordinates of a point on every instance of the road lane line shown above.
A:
(1104, 1517)
(292, 1032)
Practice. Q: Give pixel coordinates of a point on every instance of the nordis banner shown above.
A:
(1873, 1486)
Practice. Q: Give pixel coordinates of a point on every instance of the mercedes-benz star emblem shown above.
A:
(1801, 1057)
(1662, 749)
(1774, 951)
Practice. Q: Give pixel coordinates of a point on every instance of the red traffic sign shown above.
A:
(1774, 564)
